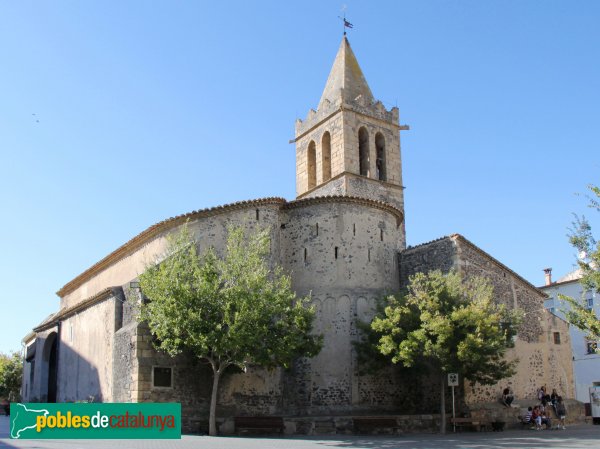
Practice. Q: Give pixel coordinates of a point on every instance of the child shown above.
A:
(536, 417)
(561, 412)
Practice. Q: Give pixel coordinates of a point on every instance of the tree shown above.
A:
(582, 239)
(228, 311)
(11, 374)
(445, 324)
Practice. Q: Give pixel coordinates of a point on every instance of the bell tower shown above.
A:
(351, 144)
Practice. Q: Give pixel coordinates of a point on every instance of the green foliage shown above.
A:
(580, 316)
(582, 239)
(233, 310)
(447, 324)
(11, 374)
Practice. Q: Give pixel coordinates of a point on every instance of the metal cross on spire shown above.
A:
(343, 19)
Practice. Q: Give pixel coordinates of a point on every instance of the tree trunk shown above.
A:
(443, 403)
(212, 423)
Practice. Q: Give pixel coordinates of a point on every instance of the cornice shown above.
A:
(498, 263)
(69, 311)
(146, 236)
(381, 205)
(471, 245)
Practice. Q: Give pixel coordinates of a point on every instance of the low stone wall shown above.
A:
(344, 425)
(406, 424)
(496, 412)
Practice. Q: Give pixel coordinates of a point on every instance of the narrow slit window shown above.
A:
(257, 215)
(305, 254)
(369, 254)
(381, 235)
(317, 228)
(354, 229)
(336, 252)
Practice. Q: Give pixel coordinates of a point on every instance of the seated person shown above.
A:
(536, 417)
(507, 396)
(545, 419)
(526, 419)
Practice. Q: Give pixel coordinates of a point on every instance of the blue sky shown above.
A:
(117, 115)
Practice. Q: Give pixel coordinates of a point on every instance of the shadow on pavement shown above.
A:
(587, 436)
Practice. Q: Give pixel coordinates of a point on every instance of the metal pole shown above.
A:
(453, 411)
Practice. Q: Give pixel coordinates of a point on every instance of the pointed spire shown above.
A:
(347, 75)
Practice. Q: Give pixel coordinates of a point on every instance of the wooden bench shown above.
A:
(478, 424)
(259, 424)
(368, 424)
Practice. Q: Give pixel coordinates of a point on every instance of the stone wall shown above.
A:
(335, 128)
(344, 255)
(344, 425)
(509, 289)
(124, 362)
(337, 244)
(121, 267)
(38, 389)
(353, 121)
(343, 122)
(540, 361)
(334, 187)
(377, 190)
(192, 381)
(85, 361)
(305, 236)
(437, 255)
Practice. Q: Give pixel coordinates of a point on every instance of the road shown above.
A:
(577, 437)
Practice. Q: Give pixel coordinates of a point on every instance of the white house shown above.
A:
(586, 361)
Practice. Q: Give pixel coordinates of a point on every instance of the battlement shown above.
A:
(360, 105)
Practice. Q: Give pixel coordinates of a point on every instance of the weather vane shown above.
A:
(343, 19)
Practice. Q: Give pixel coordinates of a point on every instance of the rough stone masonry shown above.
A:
(343, 241)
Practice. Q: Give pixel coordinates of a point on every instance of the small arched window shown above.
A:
(326, 156)
(363, 151)
(311, 165)
(380, 162)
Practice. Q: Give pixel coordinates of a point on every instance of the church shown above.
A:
(343, 241)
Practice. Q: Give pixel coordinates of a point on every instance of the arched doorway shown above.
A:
(50, 367)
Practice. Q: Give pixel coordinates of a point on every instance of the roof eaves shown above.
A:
(80, 306)
(346, 199)
(497, 262)
(154, 230)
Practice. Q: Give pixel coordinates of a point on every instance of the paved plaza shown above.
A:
(577, 437)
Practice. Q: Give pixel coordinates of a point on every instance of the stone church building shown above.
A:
(343, 240)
